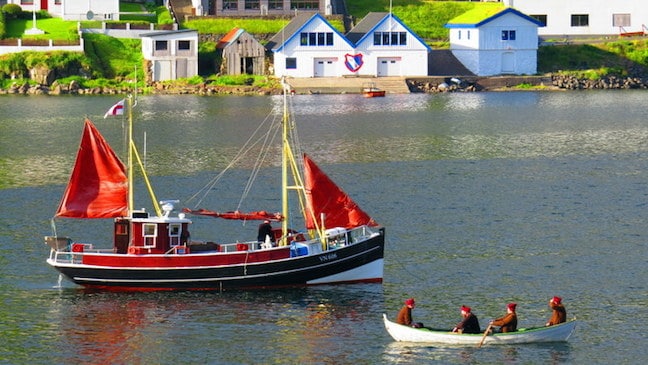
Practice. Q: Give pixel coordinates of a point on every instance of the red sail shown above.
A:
(98, 186)
(325, 197)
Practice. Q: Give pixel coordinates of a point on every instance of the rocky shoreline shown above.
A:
(415, 85)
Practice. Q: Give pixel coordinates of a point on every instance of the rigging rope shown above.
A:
(262, 135)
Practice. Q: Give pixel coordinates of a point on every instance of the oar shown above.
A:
(485, 334)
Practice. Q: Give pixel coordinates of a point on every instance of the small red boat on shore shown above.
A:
(369, 90)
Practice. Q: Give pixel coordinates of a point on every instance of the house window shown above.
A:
(390, 38)
(579, 20)
(161, 45)
(467, 34)
(230, 4)
(621, 20)
(542, 18)
(184, 45)
(305, 4)
(251, 4)
(459, 35)
(291, 63)
(316, 39)
(508, 35)
(275, 4)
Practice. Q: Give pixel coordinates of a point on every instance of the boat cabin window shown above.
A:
(174, 234)
(150, 234)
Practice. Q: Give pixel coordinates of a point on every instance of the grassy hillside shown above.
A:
(425, 17)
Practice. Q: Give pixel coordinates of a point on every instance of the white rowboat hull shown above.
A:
(555, 333)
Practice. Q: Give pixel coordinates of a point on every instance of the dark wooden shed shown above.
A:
(241, 54)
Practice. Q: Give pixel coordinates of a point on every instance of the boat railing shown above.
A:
(361, 233)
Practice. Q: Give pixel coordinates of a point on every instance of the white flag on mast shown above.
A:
(117, 109)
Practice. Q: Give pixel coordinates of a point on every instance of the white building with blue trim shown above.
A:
(495, 41)
(379, 45)
(389, 47)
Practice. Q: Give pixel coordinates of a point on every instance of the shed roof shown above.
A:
(170, 32)
(230, 37)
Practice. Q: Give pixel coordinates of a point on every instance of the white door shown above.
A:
(325, 67)
(389, 66)
(162, 70)
(508, 63)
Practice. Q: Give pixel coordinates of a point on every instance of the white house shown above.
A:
(170, 55)
(309, 46)
(495, 41)
(74, 9)
(586, 17)
(387, 47)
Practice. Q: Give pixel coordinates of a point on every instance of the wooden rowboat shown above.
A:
(557, 333)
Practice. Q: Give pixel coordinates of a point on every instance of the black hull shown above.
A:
(298, 271)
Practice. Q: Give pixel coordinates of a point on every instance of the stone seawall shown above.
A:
(414, 85)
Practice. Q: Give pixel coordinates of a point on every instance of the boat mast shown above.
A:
(285, 146)
(132, 155)
(131, 199)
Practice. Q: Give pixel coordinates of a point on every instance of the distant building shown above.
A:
(309, 46)
(241, 54)
(586, 17)
(170, 55)
(388, 47)
(266, 7)
(379, 45)
(73, 9)
(495, 41)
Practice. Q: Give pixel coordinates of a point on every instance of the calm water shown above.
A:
(487, 198)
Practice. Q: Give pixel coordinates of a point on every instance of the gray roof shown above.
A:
(365, 25)
(168, 32)
(295, 24)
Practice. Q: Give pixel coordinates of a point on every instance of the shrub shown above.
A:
(12, 11)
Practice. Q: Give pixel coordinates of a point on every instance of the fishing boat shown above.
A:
(370, 90)
(556, 333)
(153, 250)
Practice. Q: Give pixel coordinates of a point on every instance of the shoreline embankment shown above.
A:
(354, 85)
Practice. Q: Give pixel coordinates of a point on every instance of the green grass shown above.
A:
(130, 7)
(426, 18)
(252, 26)
(54, 28)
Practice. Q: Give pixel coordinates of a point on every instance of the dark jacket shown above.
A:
(265, 229)
(470, 324)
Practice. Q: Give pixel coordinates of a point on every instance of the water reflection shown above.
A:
(409, 353)
(282, 326)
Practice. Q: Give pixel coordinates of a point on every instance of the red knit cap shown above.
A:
(557, 300)
(511, 306)
(409, 301)
(465, 309)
